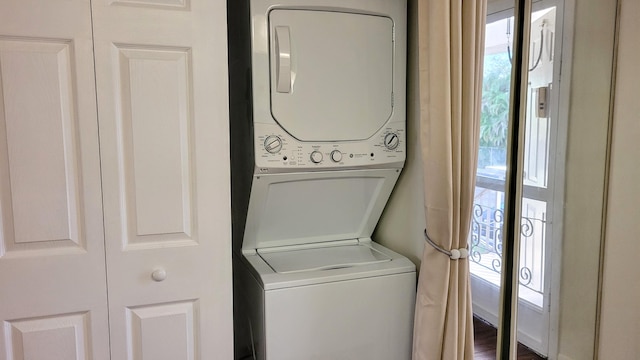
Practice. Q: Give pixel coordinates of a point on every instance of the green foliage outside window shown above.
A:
(495, 100)
(495, 110)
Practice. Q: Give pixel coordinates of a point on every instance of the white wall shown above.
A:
(620, 311)
(590, 79)
(402, 224)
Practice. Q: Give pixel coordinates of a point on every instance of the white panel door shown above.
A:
(161, 70)
(52, 276)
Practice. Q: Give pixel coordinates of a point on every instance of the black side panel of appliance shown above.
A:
(242, 161)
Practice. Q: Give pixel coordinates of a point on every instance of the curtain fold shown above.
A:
(451, 51)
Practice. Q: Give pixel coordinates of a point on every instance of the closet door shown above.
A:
(161, 68)
(53, 302)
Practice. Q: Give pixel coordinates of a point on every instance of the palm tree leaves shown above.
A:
(495, 100)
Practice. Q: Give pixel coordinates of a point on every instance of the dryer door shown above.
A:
(331, 73)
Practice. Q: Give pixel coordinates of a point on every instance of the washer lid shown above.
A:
(331, 73)
(315, 207)
(322, 258)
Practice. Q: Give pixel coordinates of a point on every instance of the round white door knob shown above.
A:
(159, 275)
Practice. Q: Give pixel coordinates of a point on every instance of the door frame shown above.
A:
(559, 109)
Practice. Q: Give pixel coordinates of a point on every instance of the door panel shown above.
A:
(40, 138)
(156, 146)
(53, 301)
(331, 73)
(163, 331)
(161, 69)
(56, 337)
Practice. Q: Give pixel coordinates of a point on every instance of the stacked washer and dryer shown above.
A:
(318, 141)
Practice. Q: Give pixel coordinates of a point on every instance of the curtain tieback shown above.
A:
(454, 254)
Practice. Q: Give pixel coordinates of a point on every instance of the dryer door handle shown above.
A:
(283, 59)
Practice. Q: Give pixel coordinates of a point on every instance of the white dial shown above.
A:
(336, 156)
(391, 141)
(273, 144)
(316, 157)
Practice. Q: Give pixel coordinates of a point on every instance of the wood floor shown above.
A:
(485, 343)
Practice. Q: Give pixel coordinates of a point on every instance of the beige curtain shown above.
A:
(451, 50)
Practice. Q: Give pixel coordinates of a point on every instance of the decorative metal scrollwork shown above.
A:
(526, 227)
(486, 244)
(525, 276)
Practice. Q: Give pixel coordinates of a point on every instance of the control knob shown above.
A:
(273, 144)
(336, 156)
(316, 157)
(391, 141)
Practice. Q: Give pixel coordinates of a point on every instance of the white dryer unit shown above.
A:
(328, 84)
(317, 92)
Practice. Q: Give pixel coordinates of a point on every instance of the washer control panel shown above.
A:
(276, 150)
